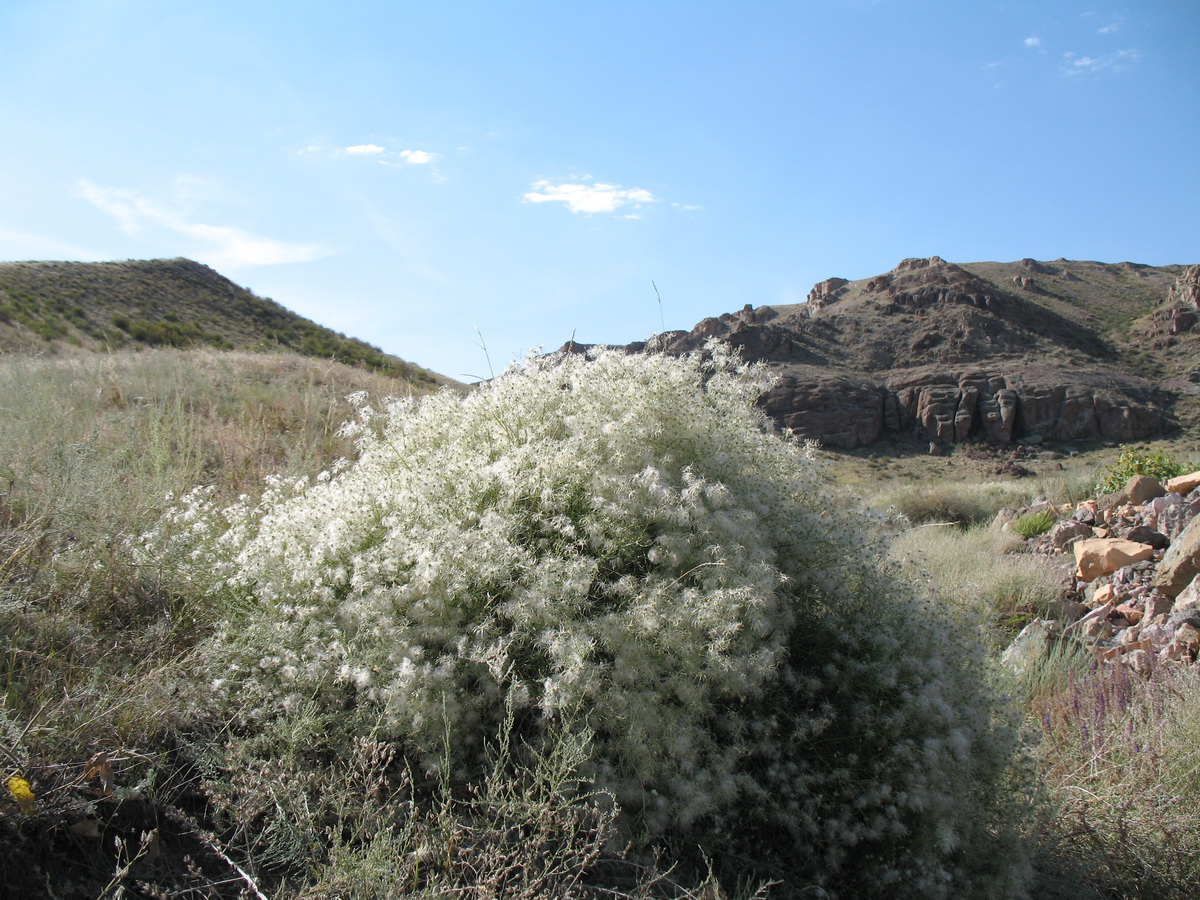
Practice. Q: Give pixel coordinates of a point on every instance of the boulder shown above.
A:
(1181, 563)
(1188, 599)
(1183, 484)
(1100, 556)
(1141, 488)
(1068, 531)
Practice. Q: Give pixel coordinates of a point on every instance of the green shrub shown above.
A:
(1034, 523)
(1136, 461)
(619, 540)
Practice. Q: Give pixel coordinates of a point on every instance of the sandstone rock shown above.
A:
(1103, 595)
(1141, 661)
(1141, 488)
(1131, 614)
(1156, 605)
(824, 293)
(1093, 630)
(1099, 556)
(1188, 636)
(1183, 484)
(1066, 610)
(839, 412)
(1158, 635)
(1181, 563)
(1131, 639)
(1186, 289)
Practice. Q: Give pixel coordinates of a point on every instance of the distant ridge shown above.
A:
(998, 352)
(64, 307)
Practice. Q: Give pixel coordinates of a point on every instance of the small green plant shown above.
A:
(1136, 461)
(1034, 523)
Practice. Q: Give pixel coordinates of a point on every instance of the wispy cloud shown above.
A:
(1033, 41)
(1074, 65)
(226, 245)
(376, 152)
(589, 198)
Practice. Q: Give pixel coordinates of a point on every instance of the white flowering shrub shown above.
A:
(623, 541)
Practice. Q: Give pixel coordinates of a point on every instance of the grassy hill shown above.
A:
(70, 306)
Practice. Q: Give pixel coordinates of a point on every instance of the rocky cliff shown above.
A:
(994, 352)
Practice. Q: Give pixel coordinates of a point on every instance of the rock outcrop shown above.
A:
(992, 352)
(969, 405)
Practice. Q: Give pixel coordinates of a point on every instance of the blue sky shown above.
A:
(410, 172)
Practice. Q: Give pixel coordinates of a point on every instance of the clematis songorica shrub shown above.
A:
(624, 543)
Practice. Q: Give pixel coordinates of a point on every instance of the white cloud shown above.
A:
(1112, 28)
(417, 157)
(1120, 61)
(227, 246)
(364, 150)
(588, 198)
(1033, 42)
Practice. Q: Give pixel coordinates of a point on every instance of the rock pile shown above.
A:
(1135, 578)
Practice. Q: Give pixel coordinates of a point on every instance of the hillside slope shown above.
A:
(59, 307)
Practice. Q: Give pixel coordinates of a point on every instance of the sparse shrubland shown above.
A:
(93, 646)
(592, 630)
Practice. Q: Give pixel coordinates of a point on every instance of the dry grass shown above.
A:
(983, 574)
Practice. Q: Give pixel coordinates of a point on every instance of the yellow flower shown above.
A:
(22, 793)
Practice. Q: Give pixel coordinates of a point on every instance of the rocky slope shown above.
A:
(997, 352)
(1134, 574)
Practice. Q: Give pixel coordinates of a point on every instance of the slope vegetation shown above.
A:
(61, 307)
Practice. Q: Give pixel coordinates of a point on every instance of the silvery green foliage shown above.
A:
(624, 539)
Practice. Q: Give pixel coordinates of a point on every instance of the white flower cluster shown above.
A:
(623, 539)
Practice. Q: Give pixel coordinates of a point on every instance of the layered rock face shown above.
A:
(964, 406)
